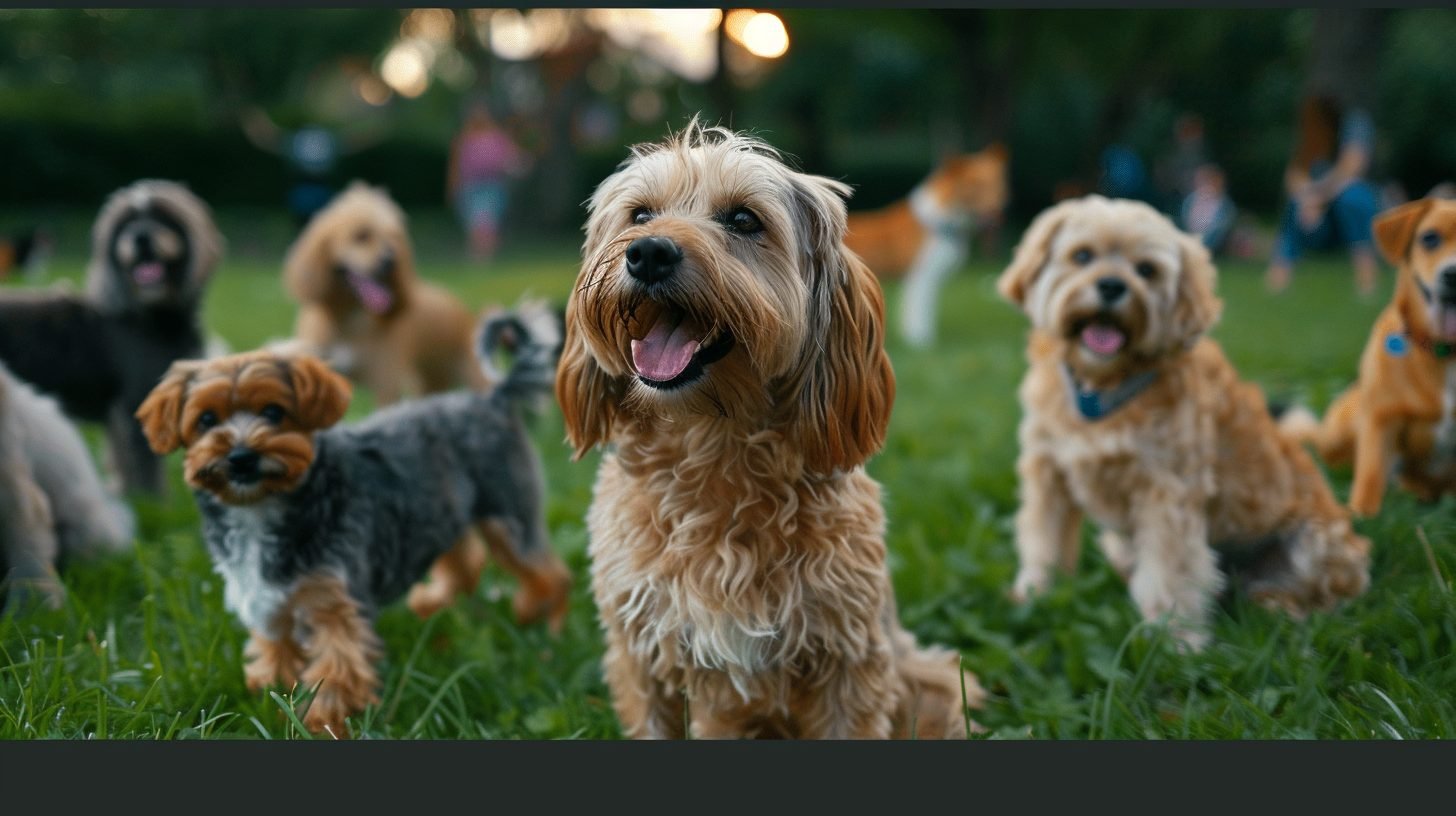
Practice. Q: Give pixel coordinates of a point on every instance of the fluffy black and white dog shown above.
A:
(314, 527)
(154, 247)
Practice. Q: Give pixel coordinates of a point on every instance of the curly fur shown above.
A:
(154, 248)
(314, 528)
(412, 338)
(737, 545)
(1192, 465)
(52, 504)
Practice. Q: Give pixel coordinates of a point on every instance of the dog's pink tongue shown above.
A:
(667, 349)
(1446, 321)
(147, 274)
(1103, 339)
(375, 296)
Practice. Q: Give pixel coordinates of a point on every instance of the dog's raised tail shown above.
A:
(532, 333)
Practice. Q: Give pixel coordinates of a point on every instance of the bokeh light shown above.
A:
(764, 36)
(406, 69)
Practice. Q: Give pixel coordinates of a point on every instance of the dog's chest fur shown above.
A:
(243, 541)
(712, 565)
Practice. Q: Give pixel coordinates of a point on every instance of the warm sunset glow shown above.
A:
(764, 36)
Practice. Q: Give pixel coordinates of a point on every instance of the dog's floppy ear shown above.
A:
(587, 395)
(846, 386)
(1393, 229)
(997, 151)
(306, 272)
(160, 414)
(1033, 252)
(1196, 307)
(321, 395)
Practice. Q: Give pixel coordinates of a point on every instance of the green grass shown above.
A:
(144, 649)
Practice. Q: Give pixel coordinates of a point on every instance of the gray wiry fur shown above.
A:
(384, 498)
(52, 504)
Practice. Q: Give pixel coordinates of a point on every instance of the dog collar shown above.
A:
(1094, 405)
(1398, 343)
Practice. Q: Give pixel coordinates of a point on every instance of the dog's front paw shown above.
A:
(332, 705)
(23, 595)
(271, 663)
(1029, 584)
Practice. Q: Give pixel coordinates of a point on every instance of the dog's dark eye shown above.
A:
(1082, 256)
(362, 236)
(642, 215)
(1430, 239)
(1146, 270)
(272, 412)
(207, 421)
(742, 221)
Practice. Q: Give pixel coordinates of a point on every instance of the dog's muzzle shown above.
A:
(244, 465)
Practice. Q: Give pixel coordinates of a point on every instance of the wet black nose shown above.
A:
(1111, 289)
(243, 462)
(653, 258)
(1447, 279)
(144, 244)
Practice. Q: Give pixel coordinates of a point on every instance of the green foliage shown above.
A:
(144, 649)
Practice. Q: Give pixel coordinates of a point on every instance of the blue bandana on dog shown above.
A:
(1095, 405)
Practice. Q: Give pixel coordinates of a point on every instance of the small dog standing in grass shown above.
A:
(52, 504)
(1134, 419)
(365, 311)
(313, 530)
(154, 247)
(1401, 413)
(730, 350)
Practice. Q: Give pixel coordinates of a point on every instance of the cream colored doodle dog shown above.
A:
(1136, 421)
(730, 352)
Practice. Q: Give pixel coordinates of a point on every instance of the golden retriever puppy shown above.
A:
(729, 349)
(1401, 412)
(1136, 421)
(363, 310)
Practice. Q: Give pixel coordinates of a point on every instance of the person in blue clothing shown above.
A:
(1331, 202)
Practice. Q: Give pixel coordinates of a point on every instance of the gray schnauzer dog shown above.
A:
(153, 248)
(314, 528)
(52, 505)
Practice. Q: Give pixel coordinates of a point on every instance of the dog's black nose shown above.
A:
(1447, 279)
(1111, 289)
(243, 461)
(144, 244)
(652, 258)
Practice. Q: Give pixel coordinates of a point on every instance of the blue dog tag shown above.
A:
(1395, 344)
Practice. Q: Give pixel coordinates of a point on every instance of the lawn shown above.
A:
(144, 649)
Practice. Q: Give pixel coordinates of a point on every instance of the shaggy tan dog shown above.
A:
(729, 349)
(364, 311)
(1136, 421)
(1402, 410)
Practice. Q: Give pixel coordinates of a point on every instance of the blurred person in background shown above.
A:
(1207, 211)
(1177, 170)
(483, 159)
(1331, 200)
(312, 153)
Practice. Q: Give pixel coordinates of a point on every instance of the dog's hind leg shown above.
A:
(28, 546)
(457, 572)
(544, 580)
(1313, 567)
(1335, 439)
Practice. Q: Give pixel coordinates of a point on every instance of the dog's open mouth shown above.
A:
(676, 350)
(1101, 335)
(373, 295)
(148, 273)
